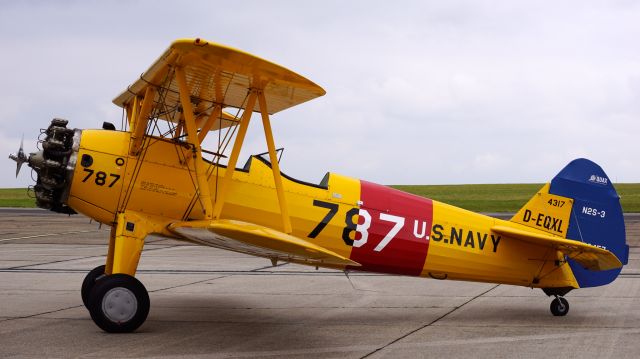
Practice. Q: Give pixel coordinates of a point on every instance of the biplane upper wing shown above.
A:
(217, 75)
(589, 256)
(258, 240)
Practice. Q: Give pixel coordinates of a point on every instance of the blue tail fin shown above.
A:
(596, 216)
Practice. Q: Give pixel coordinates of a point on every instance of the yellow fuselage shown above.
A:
(383, 229)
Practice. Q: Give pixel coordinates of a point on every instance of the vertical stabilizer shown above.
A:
(596, 216)
(581, 204)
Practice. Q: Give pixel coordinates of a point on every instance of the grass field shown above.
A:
(505, 197)
(16, 197)
(475, 197)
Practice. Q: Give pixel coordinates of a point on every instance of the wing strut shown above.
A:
(275, 166)
(140, 120)
(235, 152)
(192, 137)
(255, 94)
(204, 129)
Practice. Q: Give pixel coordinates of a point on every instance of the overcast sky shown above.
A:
(418, 92)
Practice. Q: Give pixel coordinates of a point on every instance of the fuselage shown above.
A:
(383, 229)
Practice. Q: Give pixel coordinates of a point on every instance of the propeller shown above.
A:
(20, 158)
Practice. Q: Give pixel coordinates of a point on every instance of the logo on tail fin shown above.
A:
(599, 180)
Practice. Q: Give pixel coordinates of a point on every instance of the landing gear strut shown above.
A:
(559, 306)
(116, 300)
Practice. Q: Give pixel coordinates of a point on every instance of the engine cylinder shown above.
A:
(54, 165)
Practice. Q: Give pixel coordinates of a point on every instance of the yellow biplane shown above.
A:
(154, 177)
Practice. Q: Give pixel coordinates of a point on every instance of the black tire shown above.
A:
(559, 307)
(119, 303)
(88, 283)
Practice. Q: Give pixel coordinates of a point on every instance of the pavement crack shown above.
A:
(75, 259)
(43, 313)
(211, 279)
(49, 235)
(430, 323)
(188, 284)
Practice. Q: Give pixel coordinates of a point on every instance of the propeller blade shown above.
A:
(20, 158)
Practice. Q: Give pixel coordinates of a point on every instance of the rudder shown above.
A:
(596, 216)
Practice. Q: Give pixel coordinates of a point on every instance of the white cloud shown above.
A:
(426, 92)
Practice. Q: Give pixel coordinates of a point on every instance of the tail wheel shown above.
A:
(119, 303)
(88, 283)
(559, 307)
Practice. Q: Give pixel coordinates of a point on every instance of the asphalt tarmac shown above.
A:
(212, 303)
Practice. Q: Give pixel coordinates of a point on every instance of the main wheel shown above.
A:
(559, 307)
(88, 283)
(119, 303)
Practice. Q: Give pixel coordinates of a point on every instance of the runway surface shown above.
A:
(211, 303)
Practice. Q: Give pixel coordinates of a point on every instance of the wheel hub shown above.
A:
(119, 305)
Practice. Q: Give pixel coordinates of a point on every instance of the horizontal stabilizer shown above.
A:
(259, 241)
(589, 256)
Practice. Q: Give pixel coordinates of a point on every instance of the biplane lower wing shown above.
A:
(589, 256)
(259, 241)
